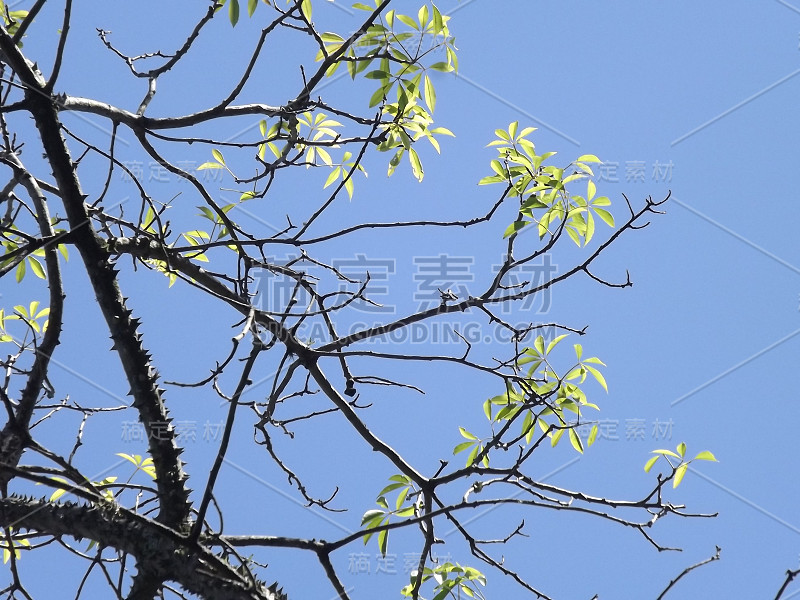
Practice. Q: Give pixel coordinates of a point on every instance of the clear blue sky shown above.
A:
(697, 98)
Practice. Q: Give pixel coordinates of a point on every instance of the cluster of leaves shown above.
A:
(405, 505)
(11, 541)
(536, 395)
(400, 51)
(451, 580)
(12, 18)
(252, 5)
(144, 465)
(544, 199)
(195, 238)
(13, 244)
(680, 469)
(33, 316)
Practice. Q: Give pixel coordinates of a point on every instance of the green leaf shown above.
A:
(430, 94)
(473, 455)
(649, 464)
(462, 446)
(555, 437)
(681, 449)
(135, 459)
(391, 487)
(406, 512)
(383, 540)
(377, 97)
(705, 455)
(370, 515)
(251, 7)
(233, 12)
(514, 228)
(589, 158)
(666, 453)
(334, 175)
(593, 435)
(552, 344)
(408, 21)
(305, 8)
(378, 74)
(60, 491)
(36, 267)
(467, 434)
(441, 66)
(401, 498)
(575, 440)
(598, 376)
(606, 216)
(20, 272)
(218, 156)
(416, 164)
(679, 473)
(209, 165)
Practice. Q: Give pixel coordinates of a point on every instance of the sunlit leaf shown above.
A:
(705, 455)
(649, 464)
(679, 473)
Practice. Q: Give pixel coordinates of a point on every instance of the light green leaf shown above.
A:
(487, 409)
(406, 512)
(416, 164)
(36, 267)
(666, 453)
(401, 498)
(391, 487)
(408, 21)
(679, 473)
(473, 455)
(370, 515)
(430, 94)
(593, 435)
(575, 440)
(514, 228)
(555, 437)
(598, 376)
(332, 177)
(681, 449)
(462, 446)
(467, 434)
(552, 344)
(305, 8)
(606, 216)
(705, 455)
(649, 464)
(135, 459)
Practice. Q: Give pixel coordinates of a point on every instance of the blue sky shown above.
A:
(696, 98)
